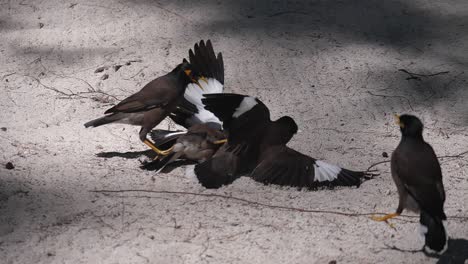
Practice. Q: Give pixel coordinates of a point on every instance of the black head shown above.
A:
(286, 128)
(187, 72)
(280, 131)
(289, 123)
(410, 125)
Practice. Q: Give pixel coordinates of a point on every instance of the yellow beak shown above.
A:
(204, 79)
(198, 83)
(398, 122)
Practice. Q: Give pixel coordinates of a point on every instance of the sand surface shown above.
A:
(332, 65)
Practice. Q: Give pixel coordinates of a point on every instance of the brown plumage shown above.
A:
(418, 177)
(197, 144)
(154, 102)
(204, 130)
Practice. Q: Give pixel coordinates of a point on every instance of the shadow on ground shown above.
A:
(412, 28)
(391, 22)
(127, 155)
(23, 205)
(457, 252)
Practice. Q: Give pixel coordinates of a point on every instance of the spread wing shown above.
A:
(191, 110)
(284, 166)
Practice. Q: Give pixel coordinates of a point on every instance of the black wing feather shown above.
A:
(284, 166)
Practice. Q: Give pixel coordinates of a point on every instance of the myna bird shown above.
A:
(204, 130)
(257, 146)
(197, 144)
(418, 177)
(155, 101)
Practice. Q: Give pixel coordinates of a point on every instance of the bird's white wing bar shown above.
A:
(194, 94)
(325, 172)
(246, 104)
(174, 134)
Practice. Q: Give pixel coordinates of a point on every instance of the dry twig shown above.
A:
(417, 76)
(460, 155)
(255, 203)
(395, 96)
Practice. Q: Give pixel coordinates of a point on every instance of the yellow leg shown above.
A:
(222, 141)
(385, 217)
(158, 151)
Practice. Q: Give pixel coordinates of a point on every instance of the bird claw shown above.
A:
(369, 174)
(383, 218)
(158, 151)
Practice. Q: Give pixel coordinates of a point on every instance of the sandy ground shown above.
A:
(332, 65)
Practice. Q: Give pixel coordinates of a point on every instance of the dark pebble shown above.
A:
(100, 69)
(9, 166)
(105, 77)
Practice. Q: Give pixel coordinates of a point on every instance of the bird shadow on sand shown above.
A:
(155, 165)
(127, 155)
(457, 252)
(134, 154)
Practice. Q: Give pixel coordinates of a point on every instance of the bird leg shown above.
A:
(158, 151)
(385, 217)
(221, 141)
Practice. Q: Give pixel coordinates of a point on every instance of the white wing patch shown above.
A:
(174, 134)
(246, 104)
(325, 172)
(194, 94)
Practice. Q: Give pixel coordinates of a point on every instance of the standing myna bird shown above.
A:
(154, 102)
(418, 177)
(204, 133)
(257, 146)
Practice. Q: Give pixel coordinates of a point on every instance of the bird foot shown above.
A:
(158, 151)
(222, 141)
(385, 217)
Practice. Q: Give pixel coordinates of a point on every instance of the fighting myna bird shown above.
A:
(418, 177)
(154, 102)
(257, 146)
(197, 144)
(204, 130)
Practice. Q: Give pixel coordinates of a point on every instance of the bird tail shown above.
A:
(332, 175)
(103, 120)
(205, 62)
(435, 236)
